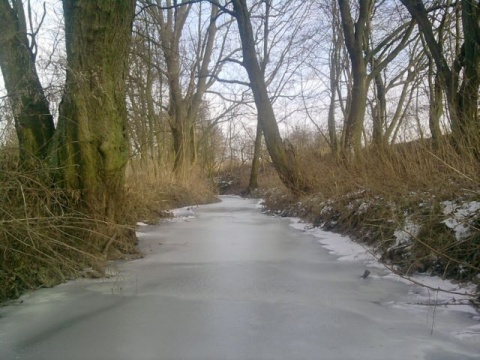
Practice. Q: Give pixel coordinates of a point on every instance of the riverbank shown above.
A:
(415, 234)
(417, 206)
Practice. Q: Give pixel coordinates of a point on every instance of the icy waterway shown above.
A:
(227, 282)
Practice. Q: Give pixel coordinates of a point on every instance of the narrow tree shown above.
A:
(282, 47)
(335, 63)
(283, 157)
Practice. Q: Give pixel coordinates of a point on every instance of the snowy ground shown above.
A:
(223, 281)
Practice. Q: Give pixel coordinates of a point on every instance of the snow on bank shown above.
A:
(260, 204)
(428, 290)
(184, 214)
(178, 215)
(336, 244)
(404, 236)
(460, 216)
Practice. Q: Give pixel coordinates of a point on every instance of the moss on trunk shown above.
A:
(91, 144)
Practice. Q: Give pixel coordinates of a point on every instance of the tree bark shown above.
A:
(355, 35)
(380, 110)
(91, 145)
(253, 180)
(33, 121)
(283, 157)
(436, 105)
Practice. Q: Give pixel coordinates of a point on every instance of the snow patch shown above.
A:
(183, 214)
(405, 235)
(337, 244)
(260, 204)
(459, 216)
(363, 207)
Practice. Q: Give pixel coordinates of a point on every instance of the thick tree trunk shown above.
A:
(182, 142)
(468, 96)
(33, 121)
(91, 145)
(283, 158)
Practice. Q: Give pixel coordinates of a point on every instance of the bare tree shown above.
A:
(149, 130)
(460, 79)
(187, 81)
(33, 121)
(283, 156)
(362, 52)
(279, 40)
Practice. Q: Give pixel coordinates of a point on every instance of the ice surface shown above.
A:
(232, 283)
(436, 290)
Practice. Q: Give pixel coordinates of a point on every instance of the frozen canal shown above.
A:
(231, 283)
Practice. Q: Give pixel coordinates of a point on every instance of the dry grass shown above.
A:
(395, 171)
(151, 191)
(43, 241)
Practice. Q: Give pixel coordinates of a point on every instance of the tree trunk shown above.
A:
(436, 105)
(91, 145)
(283, 158)
(182, 141)
(467, 100)
(356, 115)
(33, 121)
(253, 180)
(335, 77)
(355, 35)
(380, 110)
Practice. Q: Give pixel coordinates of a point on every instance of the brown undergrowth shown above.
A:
(151, 191)
(43, 240)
